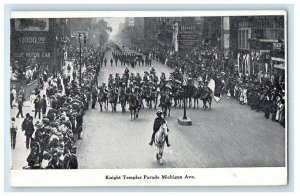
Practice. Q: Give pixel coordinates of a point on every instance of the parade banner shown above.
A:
(215, 89)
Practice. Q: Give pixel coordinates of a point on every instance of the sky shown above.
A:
(114, 24)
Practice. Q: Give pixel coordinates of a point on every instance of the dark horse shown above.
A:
(133, 106)
(206, 96)
(122, 98)
(102, 98)
(197, 96)
(166, 103)
(151, 96)
(113, 98)
(190, 93)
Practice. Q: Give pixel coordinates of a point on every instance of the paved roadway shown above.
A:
(229, 135)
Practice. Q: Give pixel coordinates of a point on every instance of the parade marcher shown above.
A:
(116, 61)
(105, 61)
(13, 133)
(20, 108)
(157, 123)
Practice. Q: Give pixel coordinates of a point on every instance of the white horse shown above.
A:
(159, 141)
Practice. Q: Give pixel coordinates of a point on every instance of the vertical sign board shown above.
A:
(226, 30)
(33, 38)
(188, 37)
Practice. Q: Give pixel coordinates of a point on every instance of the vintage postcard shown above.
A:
(152, 98)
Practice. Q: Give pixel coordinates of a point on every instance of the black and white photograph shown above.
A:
(148, 91)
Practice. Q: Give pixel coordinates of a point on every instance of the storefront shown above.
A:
(278, 69)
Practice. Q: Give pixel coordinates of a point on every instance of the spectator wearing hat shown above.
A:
(14, 95)
(32, 98)
(73, 164)
(29, 131)
(13, 133)
(159, 120)
(20, 108)
(22, 93)
(37, 106)
(33, 159)
(44, 104)
(11, 100)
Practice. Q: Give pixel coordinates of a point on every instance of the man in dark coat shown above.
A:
(44, 104)
(29, 131)
(105, 61)
(37, 106)
(20, 108)
(73, 164)
(157, 123)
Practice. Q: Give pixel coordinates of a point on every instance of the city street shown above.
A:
(228, 135)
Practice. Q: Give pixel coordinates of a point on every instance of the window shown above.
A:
(243, 38)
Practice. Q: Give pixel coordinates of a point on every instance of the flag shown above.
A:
(216, 89)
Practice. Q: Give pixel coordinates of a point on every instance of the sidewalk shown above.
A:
(20, 153)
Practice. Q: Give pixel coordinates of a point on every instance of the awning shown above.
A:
(279, 66)
(277, 59)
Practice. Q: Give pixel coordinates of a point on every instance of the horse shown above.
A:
(159, 141)
(206, 97)
(133, 106)
(102, 98)
(122, 98)
(190, 93)
(151, 97)
(113, 97)
(197, 96)
(166, 103)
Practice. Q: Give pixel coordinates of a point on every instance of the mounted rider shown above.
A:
(159, 120)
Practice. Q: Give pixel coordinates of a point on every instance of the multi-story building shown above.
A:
(258, 42)
(37, 45)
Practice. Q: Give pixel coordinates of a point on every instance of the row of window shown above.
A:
(246, 33)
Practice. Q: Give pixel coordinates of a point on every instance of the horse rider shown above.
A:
(138, 79)
(159, 120)
(152, 70)
(162, 77)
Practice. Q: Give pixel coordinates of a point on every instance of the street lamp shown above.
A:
(185, 121)
(84, 42)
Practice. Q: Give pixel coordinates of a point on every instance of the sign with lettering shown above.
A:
(32, 24)
(33, 40)
(188, 36)
(261, 24)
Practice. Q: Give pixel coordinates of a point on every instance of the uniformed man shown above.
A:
(159, 120)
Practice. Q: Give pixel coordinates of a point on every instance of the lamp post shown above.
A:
(185, 121)
(84, 41)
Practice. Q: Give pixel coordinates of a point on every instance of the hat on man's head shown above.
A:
(159, 113)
